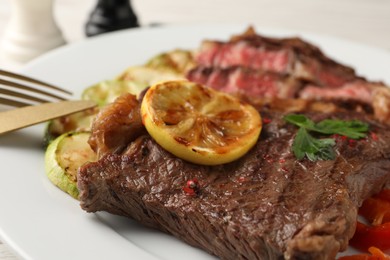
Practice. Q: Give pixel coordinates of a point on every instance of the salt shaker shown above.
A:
(31, 32)
(111, 15)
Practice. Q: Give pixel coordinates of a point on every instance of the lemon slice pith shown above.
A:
(199, 124)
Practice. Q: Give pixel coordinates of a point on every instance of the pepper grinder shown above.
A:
(31, 32)
(111, 15)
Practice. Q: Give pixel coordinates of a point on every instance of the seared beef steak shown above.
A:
(246, 81)
(266, 205)
(287, 56)
(259, 66)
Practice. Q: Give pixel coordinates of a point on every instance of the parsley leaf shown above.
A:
(314, 149)
(300, 120)
(322, 149)
(353, 129)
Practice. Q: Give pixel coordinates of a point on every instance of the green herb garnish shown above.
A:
(322, 149)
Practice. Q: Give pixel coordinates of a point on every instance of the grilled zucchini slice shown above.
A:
(107, 91)
(77, 122)
(144, 76)
(64, 156)
(177, 61)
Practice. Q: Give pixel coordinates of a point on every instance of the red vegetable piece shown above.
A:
(384, 195)
(368, 236)
(376, 210)
(376, 254)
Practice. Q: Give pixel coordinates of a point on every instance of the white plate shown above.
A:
(41, 222)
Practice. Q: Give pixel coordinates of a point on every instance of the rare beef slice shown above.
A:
(263, 67)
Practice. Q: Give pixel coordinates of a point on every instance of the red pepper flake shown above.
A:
(266, 120)
(282, 160)
(352, 143)
(339, 138)
(241, 179)
(343, 138)
(284, 169)
(192, 187)
(374, 136)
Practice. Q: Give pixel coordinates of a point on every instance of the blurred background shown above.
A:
(367, 21)
(364, 21)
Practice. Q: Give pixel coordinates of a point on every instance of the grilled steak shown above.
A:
(258, 66)
(248, 81)
(375, 95)
(291, 56)
(266, 205)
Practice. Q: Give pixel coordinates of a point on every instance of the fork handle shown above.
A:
(26, 116)
(31, 31)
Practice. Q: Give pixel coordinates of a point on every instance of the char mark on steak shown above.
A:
(266, 205)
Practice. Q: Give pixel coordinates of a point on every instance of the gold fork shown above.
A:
(36, 101)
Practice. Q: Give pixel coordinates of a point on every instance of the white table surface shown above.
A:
(364, 21)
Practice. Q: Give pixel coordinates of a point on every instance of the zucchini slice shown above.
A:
(77, 122)
(107, 91)
(143, 76)
(178, 61)
(64, 156)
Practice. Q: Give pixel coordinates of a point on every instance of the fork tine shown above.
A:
(20, 86)
(21, 77)
(21, 95)
(13, 103)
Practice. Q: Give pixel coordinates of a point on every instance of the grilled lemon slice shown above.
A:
(199, 124)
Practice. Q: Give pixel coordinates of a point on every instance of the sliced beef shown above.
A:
(252, 85)
(248, 81)
(261, 67)
(357, 90)
(381, 104)
(375, 95)
(266, 205)
(287, 56)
